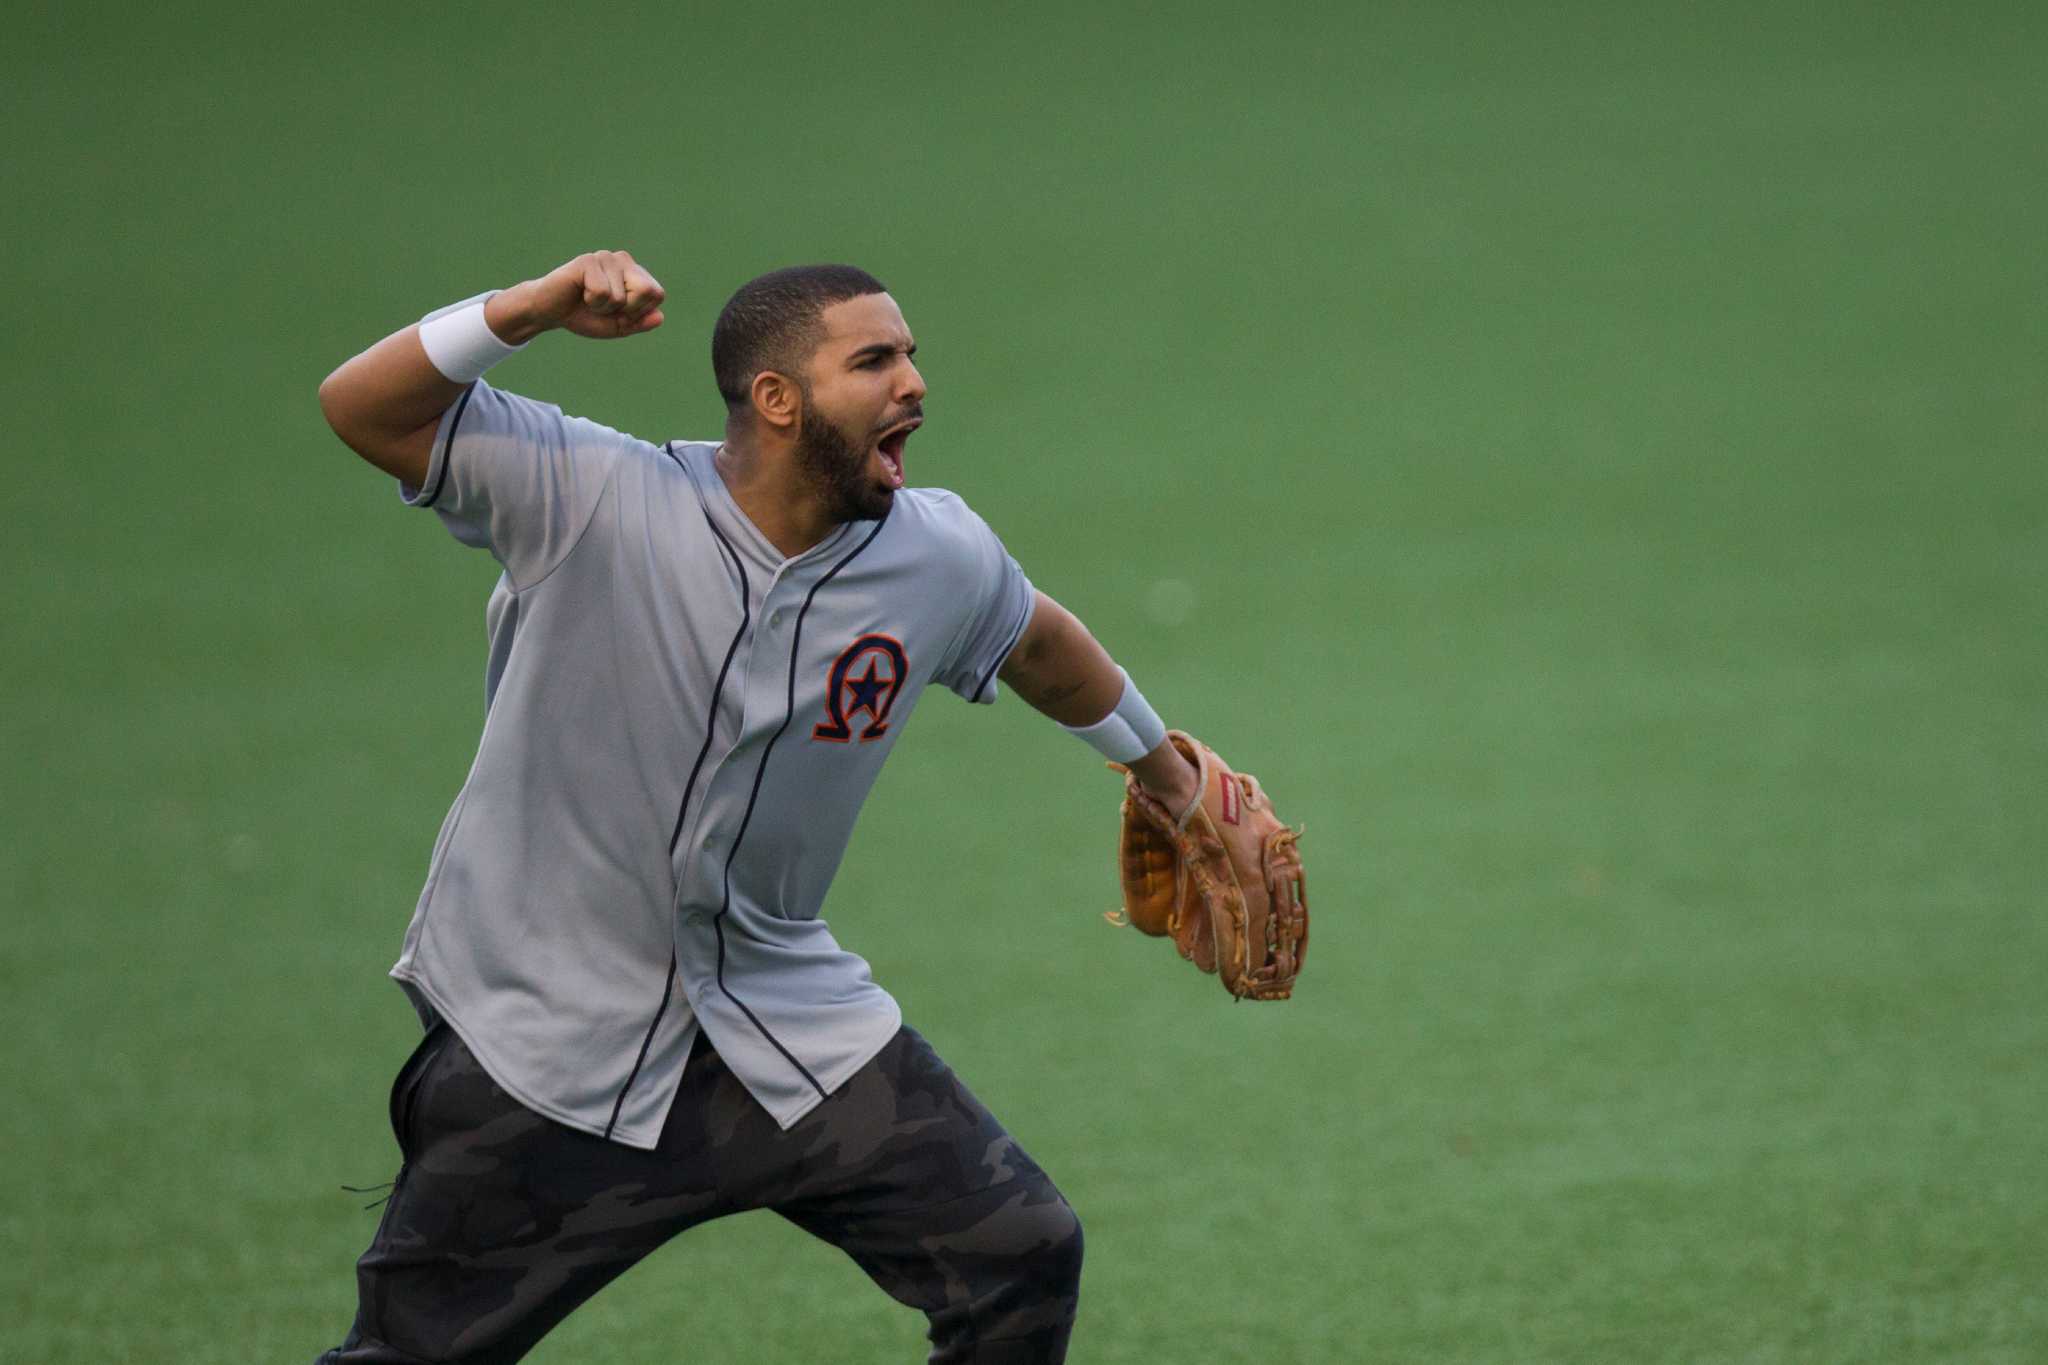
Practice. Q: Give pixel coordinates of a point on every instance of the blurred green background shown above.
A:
(1586, 458)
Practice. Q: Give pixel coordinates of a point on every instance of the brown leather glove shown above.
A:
(1222, 879)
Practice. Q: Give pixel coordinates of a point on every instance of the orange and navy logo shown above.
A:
(865, 679)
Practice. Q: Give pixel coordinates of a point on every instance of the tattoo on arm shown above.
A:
(1055, 693)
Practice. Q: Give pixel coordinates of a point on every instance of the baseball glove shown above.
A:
(1223, 879)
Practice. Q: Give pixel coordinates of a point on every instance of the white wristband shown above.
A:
(1127, 733)
(460, 343)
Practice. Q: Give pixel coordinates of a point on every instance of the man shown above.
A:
(699, 657)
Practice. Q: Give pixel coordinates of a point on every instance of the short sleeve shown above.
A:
(1000, 605)
(516, 477)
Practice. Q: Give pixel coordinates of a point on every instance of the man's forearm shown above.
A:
(386, 402)
(1063, 671)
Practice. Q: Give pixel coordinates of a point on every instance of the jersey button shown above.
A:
(775, 617)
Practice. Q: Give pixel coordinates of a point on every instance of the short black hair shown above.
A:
(772, 323)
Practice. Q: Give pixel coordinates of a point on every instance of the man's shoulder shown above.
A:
(939, 520)
(935, 507)
(483, 405)
(936, 531)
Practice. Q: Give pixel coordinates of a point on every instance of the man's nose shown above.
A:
(910, 388)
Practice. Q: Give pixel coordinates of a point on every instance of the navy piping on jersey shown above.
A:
(789, 714)
(448, 454)
(710, 724)
(668, 991)
(711, 714)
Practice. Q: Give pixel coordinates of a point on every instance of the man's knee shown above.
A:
(1022, 1268)
(1033, 1246)
(1057, 1228)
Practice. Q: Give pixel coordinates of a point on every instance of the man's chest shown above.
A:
(826, 650)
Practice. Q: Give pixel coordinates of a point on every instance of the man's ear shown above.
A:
(777, 400)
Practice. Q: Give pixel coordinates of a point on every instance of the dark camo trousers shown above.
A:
(502, 1221)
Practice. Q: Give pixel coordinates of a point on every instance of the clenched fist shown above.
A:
(600, 294)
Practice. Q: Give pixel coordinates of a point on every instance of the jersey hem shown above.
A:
(411, 982)
(417, 989)
(832, 1081)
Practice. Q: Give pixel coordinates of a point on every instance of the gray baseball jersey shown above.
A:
(681, 726)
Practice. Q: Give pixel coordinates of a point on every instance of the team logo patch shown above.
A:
(865, 679)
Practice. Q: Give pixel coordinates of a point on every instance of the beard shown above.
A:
(836, 465)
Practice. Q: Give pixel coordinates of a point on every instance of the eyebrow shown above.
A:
(881, 348)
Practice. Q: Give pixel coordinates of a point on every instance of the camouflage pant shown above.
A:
(502, 1221)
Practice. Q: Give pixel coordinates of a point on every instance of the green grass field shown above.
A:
(1603, 448)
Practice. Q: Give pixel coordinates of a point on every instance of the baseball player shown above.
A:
(699, 656)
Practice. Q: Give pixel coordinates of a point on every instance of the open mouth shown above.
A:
(890, 448)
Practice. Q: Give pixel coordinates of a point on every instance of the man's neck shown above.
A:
(788, 513)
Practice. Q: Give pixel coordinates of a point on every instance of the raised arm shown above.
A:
(1065, 673)
(385, 403)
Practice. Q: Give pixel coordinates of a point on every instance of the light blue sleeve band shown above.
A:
(1127, 733)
